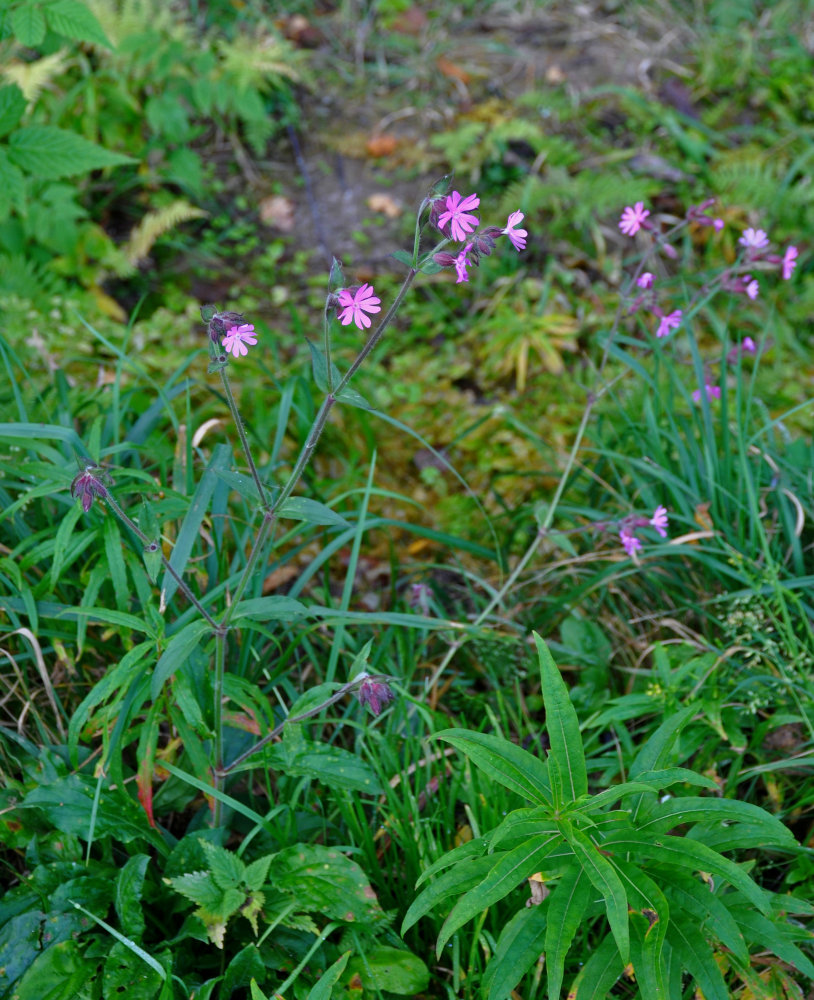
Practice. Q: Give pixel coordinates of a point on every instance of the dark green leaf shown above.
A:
(697, 958)
(50, 153)
(129, 887)
(566, 906)
(507, 763)
(178, 651)
(599, 974)
(463, 852)
(664, 816)
(324, 881)
(12, 106)
(566, 756)
(323, 988)
(778, 936)
(466, 874)
(657, 751)
(390, 969)
(520, 944)
(126, 975)
(245, 966)
(700, 902)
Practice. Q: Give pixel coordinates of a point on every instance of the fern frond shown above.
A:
(260, 63)
(155, 224)
(121, 19)
(33, 77)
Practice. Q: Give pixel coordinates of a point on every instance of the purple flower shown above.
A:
(87, 485)
(646, 280)
(629, 541)
(633, 218)
(718, 225)
(751, 287)
(754, 239)
(356, 304)
(236, 339)
(748, 345)
(516, 236)
(419, 598)
(374, 693)
(457, 215)
(659, 520)
(668, 323)
(462, 262)
(712, 392)
(789, 262)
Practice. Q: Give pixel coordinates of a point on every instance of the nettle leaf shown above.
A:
(226, 867)
(499, 881)
(75, 20)
(256, 873)
(198, 887)
(12, 104)
(566, 758)
(49, 153)
(464, 876)
(566, 907)
(520, 944)
(28, 25)
(507, 763)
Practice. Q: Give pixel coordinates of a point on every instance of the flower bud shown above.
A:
(375, 693)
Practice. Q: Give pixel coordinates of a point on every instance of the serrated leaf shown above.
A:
(606, 879)
(465, 875)
(74, 20)
(226, 867)
(566, 907)
(499, 881)
(28, 25)
(176, 654)
(562, 725)
(50, 153)
(12, 106)
(520, 944)
(508, 764)
(256, 872)
(312, 511)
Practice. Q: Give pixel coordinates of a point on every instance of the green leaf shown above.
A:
(658, 749)
(699, 901)
(403, 257)
(49, 153)
(520, 824)
(697, 958)
(500, 880)
(507, 763)
(107, 616)
(256, 873)
(323, 988)
(664, 816)
(129, 887)
(652, 913)
(605, 878)
(247, 965)
(191, 527)
(226, 867)
(12, 106)
(324, 881)
(273, 608)
(126, 977)
(463, 852)
(390, 969)
(668, 776)
(687, 853)
(63, 536)
(244, 485)
(28, 25)
(334, 766)
(312, 511)
(599, 973)
(520, 944)
(465, 875)
(59, 973)
(256, 992)
(778, 937)
(566, 907)
(567, 758)
(177, 653)
(75, 20)
(115, 561)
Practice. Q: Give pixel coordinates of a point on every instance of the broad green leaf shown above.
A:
(463, 852)
(50, 153)
(697, 958)
(498, 882)
(59, 973)
(507, 763)
(324, 881)
(520, 944)
(698, 900)
(599, 973)
(75, 20)
(303, 509)
(247, 965)
(323, 988)
(332, 765)
(129, 887)
(686, 853)
(739, 836)
(191, 527)
(275, 608)
(12, 106)
(663, 816)
(178, 650)
(566, 755)
(606, 879)
(126, 976)
(566, 906)
(28, 25)
(392, 970)
(466, 874)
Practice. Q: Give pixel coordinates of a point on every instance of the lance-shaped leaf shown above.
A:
(463, 852)
(506, 875)
(698, 900)
(779, 937)
(566, 907)
(599, 973)
(567, 758)
(697, 958)
(461, 878)
(649, 932)
(663, 816)
(508, 764)
(519, 946)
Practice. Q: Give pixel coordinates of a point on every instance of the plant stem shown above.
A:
(217, 688)
(243, 439)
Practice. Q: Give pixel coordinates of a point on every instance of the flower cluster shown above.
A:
(627, 529)
(89, 484)
(228, 333)
(454, 213)
(374, 692)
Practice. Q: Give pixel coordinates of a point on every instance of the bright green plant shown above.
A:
(608, 858)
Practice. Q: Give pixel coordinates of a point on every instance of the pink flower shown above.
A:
(633, 218)
(457, 215)
(374, 693)
(462, 262)
(751, 287)
(754, 239)
(237, 337)
(88, 484)
(356, 304)
(712, 392)
(748, 345)
(789, 262)
(630, 542)
(668, 323)
(659, 520)
(717, 225)
(646, 280)
(516, 236)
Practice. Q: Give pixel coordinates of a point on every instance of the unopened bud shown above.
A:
(375, 693)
